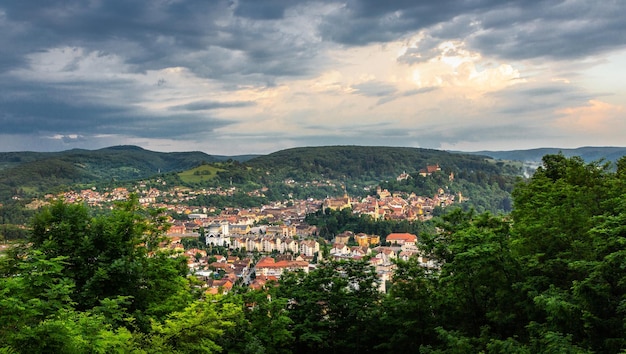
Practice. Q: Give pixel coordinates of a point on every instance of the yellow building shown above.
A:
(365, 240)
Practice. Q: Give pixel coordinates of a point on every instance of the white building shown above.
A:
(218, 234)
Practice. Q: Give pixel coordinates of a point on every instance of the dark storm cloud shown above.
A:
(200, 35)
(253, 44)
(506, 29)
(62, 109)
(240, 40)
(558, 30)
(263, 10)
(174, 127)
(366, 21)
(58, 117)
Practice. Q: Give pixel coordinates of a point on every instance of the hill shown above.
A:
(587, 153)
(486, 178)
(365, 163)
(317, 172)
(31, 173)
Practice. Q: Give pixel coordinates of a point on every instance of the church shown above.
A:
(218, 234)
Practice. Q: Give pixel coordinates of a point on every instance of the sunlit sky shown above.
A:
(253, 76)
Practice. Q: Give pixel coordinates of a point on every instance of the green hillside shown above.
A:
(200, 174)
(28, 174)
(364, 162)
(298, 173)
(315, 171)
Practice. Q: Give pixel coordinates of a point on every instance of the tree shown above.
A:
(473, 292)
(198, 328)
(408, 315)
(114, 255)
(333, 306)
(568, 235)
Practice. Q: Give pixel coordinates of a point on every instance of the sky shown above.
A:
(257, 76)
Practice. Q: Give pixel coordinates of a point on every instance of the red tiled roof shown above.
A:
(406, 237)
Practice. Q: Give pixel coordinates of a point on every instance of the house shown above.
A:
(195, 253)
(239, 229)
(221, 286)
(339, 249)
(309, 247)
(429, 170)
(338, 203)
(268, 267)
(403, 176)
(289, 245)
(406, 255)
(177, 229)
(365, 240)
(357, 251)
(237, 242)
(385, 254)
(344, 237)
(401, 239)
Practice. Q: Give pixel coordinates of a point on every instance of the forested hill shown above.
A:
(484, 180)
(368, 162)
(38, 172)
(587, 153)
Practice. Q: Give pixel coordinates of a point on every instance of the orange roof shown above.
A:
(406, 237)
(269, 262)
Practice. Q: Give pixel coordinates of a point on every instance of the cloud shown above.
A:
(596, 118)
(374, 89)
(209, 105)
(170, 73)
(266, 10)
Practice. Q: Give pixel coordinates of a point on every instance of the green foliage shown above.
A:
(356, 162)
(112, 255)
(196, 329)
(332, 307)
(74, 332)
(333, 222)
(569, 235)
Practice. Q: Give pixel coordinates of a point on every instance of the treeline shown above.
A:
(548, 278)
(330, 222)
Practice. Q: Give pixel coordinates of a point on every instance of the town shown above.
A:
(254, 246)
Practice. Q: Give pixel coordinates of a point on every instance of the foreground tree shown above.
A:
(333, 307)
(108, 272)
(569, 236)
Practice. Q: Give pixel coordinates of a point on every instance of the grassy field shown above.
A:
(199, 174)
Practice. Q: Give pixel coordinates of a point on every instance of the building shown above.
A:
(268, 267)
(218, 234)
(401, 239)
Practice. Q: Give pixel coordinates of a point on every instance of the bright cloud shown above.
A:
(595, 118)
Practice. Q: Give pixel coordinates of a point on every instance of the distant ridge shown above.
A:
(587, 153)
(30, 174)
